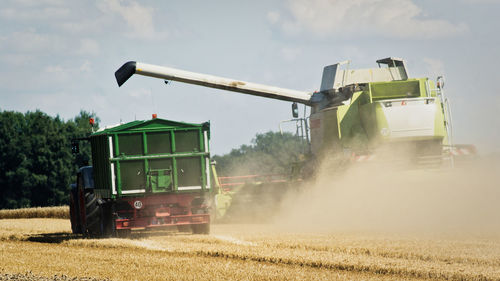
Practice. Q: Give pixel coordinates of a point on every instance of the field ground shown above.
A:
(37, 248)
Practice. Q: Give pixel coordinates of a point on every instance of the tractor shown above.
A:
(150, 174)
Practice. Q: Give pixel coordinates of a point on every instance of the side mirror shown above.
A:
(295, 110)
(440, 82)
(75, 147)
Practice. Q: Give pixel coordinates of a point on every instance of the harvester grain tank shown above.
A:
(356, 112)
(145, 174)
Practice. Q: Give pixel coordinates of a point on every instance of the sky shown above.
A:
(60, 56)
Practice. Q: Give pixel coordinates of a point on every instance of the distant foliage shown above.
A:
(36, 163)
(268, 153)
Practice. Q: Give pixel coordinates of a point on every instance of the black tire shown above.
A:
(74, 212)
(123, 233)
(184, 228)
(107, 221)
(93, 215)
(90, 199)
(201, 228)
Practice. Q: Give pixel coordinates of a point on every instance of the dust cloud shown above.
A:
(385, 198)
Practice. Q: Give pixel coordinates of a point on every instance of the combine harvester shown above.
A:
(377, 115)
(357, 115)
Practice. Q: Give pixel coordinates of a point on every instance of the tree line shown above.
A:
(36, 163)
(268, 153)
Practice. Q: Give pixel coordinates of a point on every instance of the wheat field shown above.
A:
(59, 212)
(37, 248)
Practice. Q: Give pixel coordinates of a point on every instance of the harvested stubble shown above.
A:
(28, 276)
(242, 252)
(60, 212)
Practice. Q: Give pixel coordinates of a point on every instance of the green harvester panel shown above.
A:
(152, 156)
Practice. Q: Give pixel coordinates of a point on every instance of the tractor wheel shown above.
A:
(201, 228)
(76, 227)
(93, 215)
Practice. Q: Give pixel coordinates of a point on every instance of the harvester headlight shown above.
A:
(138, 204)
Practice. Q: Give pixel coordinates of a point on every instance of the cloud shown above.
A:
(16, 59)
(435, 67)
(80, 26)
(30, 41)
(88, 47)
(140, 93)
(481, 1)
(86, 67)
(31, 3)
(46, 13)
(290, 54)
(138, 18)
(273, 17)
(123, 17)
(390, 18)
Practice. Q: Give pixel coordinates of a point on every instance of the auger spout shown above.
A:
(130, 68)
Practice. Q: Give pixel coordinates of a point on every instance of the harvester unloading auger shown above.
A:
(356, 114)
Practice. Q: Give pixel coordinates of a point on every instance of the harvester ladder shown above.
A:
(301, 131)
(447, 114)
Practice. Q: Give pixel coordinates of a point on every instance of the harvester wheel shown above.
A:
(201, 228)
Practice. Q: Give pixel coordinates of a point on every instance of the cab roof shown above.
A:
(156, 124)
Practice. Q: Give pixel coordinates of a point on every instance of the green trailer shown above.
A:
(145, 174)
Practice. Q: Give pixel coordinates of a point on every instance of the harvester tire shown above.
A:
(201, 228)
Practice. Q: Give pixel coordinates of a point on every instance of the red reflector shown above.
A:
(163, 212)
(197, 219)
(155, 115)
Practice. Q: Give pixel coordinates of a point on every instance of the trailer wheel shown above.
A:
(184, 228)
(201, 228)
(123, 233)
(107, 223)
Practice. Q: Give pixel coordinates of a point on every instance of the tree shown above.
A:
(268, 153)
(81, 128)
(13, 160)
(36, 164)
